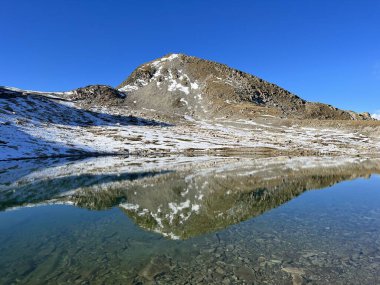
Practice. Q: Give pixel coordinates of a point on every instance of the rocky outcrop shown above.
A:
(97, 95)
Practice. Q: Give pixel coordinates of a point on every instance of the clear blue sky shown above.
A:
(322, 50)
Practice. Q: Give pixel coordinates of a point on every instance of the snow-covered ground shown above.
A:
(40, 125)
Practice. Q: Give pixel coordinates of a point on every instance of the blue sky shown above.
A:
(325, 50)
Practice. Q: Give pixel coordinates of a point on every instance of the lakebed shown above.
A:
(190, 220)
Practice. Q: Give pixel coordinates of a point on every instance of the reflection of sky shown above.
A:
(331, 224)
(173, 198)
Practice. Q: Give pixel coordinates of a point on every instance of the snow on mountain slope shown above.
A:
(178, 104)
(34, 125)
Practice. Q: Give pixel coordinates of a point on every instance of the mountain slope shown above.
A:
(192, 86)
(81, 122)
(178, 104)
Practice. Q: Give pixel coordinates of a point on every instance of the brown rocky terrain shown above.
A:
(188, 85)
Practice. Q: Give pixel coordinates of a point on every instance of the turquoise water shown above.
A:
(326, 236)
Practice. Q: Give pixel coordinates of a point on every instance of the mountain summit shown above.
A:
(187, 85)
(179, 104)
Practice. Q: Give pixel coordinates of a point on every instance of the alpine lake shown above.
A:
(190, 220)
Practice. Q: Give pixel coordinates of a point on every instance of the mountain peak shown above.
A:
(187, 85)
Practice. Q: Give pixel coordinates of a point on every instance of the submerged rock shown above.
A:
(157, 266)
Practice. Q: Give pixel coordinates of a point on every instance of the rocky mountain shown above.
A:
(188, 85)
(183, 105)
(180, 85)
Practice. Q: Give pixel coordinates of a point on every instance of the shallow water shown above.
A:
(190, 221)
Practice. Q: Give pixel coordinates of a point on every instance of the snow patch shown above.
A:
(127, 88)
(179, 207)
(194, 85)
(178, 86)
(184, 101)
(129, 206)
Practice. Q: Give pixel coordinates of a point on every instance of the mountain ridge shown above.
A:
(182, 85)
(178, 105)
(198, 86)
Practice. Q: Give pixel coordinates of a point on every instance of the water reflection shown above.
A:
(177, 197)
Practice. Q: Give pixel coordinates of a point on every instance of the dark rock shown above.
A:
(98, 95)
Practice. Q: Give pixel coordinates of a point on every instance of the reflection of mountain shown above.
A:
(183, 206)
(31, 182)
(32, 193)
(188, 198)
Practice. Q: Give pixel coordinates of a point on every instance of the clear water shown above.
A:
(326, 236)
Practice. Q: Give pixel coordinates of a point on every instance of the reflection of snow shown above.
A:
(129, 206)
(152, 198)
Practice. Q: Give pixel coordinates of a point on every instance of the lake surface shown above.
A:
(190, 220)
